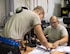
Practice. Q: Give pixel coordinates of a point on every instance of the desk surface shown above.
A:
(29, 49)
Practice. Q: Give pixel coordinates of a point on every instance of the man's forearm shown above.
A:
(63, 40)
(40, 35)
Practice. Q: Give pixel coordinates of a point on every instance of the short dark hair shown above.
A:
(39, 8)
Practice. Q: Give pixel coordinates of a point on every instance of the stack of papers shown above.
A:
(42, 50)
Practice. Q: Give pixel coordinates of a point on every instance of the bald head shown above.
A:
(54, 21)
(54, 18)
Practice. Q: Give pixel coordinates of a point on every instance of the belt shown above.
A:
(9, 41)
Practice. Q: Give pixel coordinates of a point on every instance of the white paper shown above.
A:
(65, 49)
